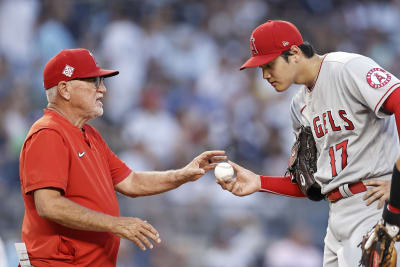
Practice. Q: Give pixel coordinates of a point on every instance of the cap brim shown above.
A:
(256, 61)
(102, 73)
(108, 73)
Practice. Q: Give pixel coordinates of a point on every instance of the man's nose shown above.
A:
(102, 88)
(266, 74)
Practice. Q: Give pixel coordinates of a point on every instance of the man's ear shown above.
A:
(296, 52)
(64, 90)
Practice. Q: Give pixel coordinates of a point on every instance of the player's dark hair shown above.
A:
(306, 48)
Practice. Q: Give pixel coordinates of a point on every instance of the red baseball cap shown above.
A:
(269, 40)
(71, 64)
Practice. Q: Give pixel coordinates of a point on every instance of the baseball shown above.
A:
(223, 171)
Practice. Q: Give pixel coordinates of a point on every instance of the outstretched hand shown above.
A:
(245, 183)
(201, 164)
(136, 230)
(380, 192)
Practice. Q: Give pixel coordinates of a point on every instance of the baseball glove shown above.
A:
(377, 246)
(303, 164)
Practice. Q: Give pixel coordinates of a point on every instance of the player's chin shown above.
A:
(280, 87)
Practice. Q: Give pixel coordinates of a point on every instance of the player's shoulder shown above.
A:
(343, 57)
(298, 104)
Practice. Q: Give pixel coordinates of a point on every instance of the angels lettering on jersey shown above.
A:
(321, 126)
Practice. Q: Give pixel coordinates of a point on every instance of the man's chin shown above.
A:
(99, 112)
(280, 88)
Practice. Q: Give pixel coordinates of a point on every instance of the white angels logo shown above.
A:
(285, 43)
(253, 45)
(378, 78)
(68, 70)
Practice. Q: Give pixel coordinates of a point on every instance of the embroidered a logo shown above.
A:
(68, 70)
(253, 45)
(378, 78)
(285, 43)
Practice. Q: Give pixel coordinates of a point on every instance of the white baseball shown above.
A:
(223, 171)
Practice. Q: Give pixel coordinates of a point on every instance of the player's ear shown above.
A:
(296, 52)
(64, 90)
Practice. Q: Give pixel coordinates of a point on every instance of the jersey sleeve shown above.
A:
(296, 108)
(369, 83)
(46, 162)
(118, 169)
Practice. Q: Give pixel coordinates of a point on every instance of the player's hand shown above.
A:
(136, 230)
(380, 192)
(201, 164)
(245, 183)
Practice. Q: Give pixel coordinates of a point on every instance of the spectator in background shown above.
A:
(69, 175)
(294, 250)
(3, 255)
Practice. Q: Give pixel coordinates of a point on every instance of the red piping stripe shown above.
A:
(301, 110)
(320, 67)
(385, 95)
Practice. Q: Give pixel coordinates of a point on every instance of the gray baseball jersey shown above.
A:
(355, 139)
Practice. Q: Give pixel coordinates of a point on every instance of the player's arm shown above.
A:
(52, 205)
(381, 189)
(155, 182)
(394, 200)
(247, 182)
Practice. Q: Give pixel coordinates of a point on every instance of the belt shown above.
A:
(346, 190)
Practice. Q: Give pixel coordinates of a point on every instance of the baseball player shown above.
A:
(69, 176)
(346, 100)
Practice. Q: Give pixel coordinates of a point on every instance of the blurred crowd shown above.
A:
(180, 92)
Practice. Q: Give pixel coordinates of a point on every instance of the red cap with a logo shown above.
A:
(72, 64)
(269, 40)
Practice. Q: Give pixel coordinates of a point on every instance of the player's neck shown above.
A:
(313, 65)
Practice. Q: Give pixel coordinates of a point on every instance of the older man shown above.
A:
(69, 175)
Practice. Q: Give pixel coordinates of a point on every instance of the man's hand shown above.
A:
(380, 192)
(201, 164)
(50, 204)
(136, 230)
(245, 183)
(377, 246)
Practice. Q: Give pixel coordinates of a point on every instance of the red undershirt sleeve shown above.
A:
(392, 104)
(280, 186)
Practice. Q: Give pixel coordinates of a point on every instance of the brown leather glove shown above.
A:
(303, 164)
(378, 246)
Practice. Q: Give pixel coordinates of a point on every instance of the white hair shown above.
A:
(51, 94)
